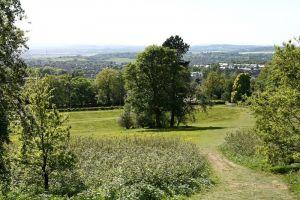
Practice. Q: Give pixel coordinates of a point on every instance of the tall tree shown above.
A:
(44, 136)
(12, 69)
(213, 85)
(180, 80)
(241, 87)
(148, 83)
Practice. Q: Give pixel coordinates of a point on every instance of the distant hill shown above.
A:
(231, 48)
(79, 50)
(90, 50)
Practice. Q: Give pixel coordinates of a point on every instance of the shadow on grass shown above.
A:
(182, 128)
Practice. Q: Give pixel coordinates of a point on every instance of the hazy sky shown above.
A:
(144, 22)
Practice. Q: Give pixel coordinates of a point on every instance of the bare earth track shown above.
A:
(237, 182)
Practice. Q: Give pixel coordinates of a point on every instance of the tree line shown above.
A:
(157, 88)
(75, 91)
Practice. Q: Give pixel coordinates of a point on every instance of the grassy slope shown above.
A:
(207, 132)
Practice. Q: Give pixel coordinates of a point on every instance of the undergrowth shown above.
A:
(141, 168)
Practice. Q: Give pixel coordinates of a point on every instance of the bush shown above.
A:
(242, 142)
(241, 147)
(125, 120)
(286, 168)
(293, 179)
(141, 168)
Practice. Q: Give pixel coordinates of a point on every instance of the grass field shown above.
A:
(208, 131)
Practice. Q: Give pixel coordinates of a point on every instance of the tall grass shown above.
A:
(241, 146)
(140, 168)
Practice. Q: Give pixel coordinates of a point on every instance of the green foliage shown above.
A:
(278, 121)
(242, 142)
(12, 70)
(213, 85)
(177, 43)
(241, 87)
(126, 118)
(82, 92)
(69, 91)
(158, 85)
(286, 168)
(110, 87)
(44, 157)
(242, 147)
(180, 84)
(228, 86)
(148, 83)
(293, 179)
(141, 168)
(277, 107)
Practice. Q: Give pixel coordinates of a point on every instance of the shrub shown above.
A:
(286, 168)
(121, 168)
(276, 106)
(125, 120)
(293, 179)
(141, 168)
(241, 147)
(242, 142)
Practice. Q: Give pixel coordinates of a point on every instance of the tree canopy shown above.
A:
(44, 137)
(12, 70)
(148, 83)
(180, 81)
(241, 87)
(276, 106)
(109, 85)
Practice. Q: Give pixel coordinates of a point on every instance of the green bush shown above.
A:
(241, 142)
(141, 168)
(241, 147)
(286, 168)
(293, 179)
(126, 120)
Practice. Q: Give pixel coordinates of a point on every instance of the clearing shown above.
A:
(208, 131)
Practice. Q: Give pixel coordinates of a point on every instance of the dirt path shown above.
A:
(237, 182)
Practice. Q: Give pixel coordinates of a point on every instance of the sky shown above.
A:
(146, 22)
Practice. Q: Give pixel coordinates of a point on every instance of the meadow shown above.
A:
(207, 132)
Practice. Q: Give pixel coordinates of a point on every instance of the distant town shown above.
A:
(90, 60)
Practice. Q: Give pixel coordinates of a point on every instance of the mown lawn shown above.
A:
(209, 128)
(208, 132)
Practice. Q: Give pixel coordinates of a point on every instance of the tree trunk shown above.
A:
(45, 174)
